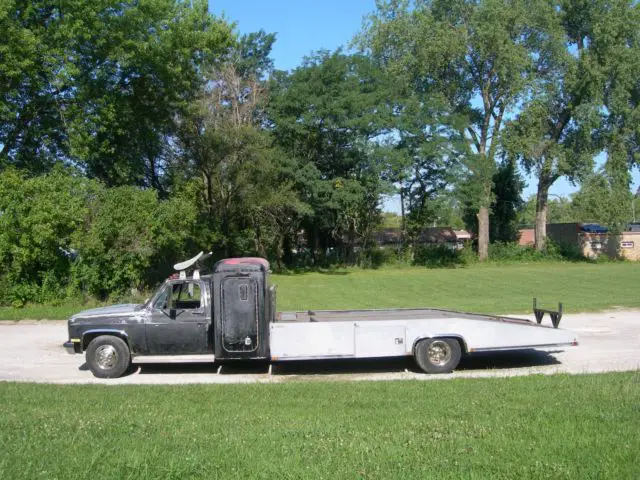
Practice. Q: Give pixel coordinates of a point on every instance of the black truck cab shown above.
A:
(223, 316)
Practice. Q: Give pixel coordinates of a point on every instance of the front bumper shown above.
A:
(72, 346)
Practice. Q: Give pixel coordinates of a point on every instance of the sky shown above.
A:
(302, 26)
(305, 26)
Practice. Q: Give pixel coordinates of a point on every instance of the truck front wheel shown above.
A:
(438, 355)
(108, 356)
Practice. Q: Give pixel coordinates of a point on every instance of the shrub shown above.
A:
(568, 251)
(440, 256)
(376, 257)
(62, 234)
(121, 247)
(38, 218)
(513, 252)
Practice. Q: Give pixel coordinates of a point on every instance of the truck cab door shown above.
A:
(180, 320)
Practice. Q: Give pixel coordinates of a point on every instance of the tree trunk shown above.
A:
(483, 233)
(403, 220)
(542, 206)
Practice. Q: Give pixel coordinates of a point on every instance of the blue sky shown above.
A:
(304, 26)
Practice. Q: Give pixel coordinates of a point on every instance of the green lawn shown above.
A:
(484, 288)
(50, 312)
(572, 427)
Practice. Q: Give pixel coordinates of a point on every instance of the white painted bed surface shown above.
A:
(396, 337)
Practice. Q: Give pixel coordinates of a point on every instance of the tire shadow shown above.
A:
(129, 371)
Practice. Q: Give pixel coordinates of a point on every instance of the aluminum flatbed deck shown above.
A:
(396, 332)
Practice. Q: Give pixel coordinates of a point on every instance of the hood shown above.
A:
(122, 310)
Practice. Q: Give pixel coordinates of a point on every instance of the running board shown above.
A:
(174, 359)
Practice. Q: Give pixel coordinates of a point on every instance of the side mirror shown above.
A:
(173, 313)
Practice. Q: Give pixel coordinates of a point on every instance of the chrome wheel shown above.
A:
(439, 353)
(106, 356)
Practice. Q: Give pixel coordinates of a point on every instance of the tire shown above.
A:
(108, 356)
(438, 355)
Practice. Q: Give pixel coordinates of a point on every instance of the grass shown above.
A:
(585, 427)
(50, 312)
(480, 288)
(483, 288)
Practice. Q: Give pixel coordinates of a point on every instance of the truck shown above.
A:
(230, 315)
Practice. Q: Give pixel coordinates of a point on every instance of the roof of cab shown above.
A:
(243, 261)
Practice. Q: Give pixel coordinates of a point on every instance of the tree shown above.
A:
(560, 210)
(618, 48)
(479, 57)
(32, 86)
(246, 200)
(562, 126)
(97, 84)
(507, 190)
(62, 234)
(600, 201)
(325, 116)
(422, 157)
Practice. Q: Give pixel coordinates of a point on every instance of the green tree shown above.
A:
(601, 202)
(479, 57)
(62, 234)
(32, 86)
(423, 158)
(618, 48)
(98, 83)
(564, 123)
(560, 210)
(507, 190)
(325, 117)
(247, 199)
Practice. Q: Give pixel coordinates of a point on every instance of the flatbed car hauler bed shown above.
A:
(231, 315)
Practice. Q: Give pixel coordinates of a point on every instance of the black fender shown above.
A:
(90, 334)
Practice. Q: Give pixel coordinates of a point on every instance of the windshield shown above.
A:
(159, 298)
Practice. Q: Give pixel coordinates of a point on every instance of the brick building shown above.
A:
(595, 243)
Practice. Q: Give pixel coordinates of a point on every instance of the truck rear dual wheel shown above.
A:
(438, 355)
(108, 356)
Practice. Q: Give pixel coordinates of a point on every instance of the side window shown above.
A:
(185, 296)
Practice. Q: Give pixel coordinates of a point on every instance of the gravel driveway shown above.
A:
(609, 341)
